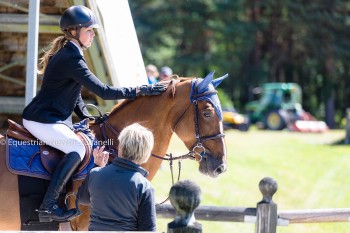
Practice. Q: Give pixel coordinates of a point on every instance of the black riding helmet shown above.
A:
(76, 17)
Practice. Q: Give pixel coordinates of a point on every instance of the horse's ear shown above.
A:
(205, 82)
(217, 81)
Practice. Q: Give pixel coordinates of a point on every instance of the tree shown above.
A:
(255, 42)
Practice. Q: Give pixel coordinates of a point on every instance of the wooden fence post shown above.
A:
(266, 213)
(185, 196)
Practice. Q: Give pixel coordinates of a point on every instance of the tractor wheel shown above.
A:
(275, 120)
(244, 127)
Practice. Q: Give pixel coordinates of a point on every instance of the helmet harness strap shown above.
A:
(69, 35)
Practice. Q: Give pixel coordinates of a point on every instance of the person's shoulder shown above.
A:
(148, 184)
(139, 178)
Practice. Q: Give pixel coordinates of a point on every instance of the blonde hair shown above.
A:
(55, 46)
(152, 70)
(136, 143)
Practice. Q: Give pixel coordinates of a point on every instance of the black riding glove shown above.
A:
(154, 89)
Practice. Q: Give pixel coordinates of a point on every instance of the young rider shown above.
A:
(49, 115)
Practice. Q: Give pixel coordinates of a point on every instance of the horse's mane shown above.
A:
(171, 84)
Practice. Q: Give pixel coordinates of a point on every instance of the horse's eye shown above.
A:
(207, 114)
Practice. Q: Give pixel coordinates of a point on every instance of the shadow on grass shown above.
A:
(340, 142)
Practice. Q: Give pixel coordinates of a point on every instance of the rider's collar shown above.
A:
(80, 50)
(129, 165)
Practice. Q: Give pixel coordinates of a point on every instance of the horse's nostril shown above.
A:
(220, 169)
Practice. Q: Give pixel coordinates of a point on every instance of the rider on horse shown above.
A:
(49, 115)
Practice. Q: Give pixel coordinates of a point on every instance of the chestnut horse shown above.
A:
(189, 107)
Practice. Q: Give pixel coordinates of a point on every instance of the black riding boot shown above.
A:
(49, 210)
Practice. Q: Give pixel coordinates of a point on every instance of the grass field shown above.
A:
(312, 172)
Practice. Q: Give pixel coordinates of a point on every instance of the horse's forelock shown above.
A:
(174, 81)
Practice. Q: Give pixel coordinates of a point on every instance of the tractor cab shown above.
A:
(279, 106)
(279, 95)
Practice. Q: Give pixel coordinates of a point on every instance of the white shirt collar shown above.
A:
(80, 50)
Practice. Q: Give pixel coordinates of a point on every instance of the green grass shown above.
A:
(311, 173)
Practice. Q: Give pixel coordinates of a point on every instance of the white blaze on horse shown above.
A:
(190, 108)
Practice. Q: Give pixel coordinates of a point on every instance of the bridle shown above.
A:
(197, 151)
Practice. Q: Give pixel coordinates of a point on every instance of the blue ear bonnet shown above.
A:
(208, 91)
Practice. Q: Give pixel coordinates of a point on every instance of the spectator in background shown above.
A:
(152, 73)
(121, 197)
(165, 72)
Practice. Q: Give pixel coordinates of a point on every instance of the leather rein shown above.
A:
(197, 152)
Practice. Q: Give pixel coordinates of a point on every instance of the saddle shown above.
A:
(49, 156)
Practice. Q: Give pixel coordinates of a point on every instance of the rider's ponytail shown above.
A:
(56, 45)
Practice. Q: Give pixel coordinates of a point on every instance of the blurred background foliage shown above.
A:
(306, 42)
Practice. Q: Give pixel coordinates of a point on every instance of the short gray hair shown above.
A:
(136, 143)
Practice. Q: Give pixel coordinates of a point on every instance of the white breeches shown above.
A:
(57, 135)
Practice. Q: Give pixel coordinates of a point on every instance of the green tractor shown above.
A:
(280, 107)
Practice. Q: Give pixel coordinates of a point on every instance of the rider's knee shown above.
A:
(80, 149)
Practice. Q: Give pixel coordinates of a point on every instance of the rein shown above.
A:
(104, 123)
(197, 152)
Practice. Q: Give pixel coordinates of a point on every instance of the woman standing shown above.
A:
(49, 115)
(120, 196)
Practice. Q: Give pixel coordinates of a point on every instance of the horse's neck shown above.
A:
(151, 116)
(159, 114)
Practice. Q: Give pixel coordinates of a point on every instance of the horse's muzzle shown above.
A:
(219, 170)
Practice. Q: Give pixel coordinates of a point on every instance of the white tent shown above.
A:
(121, 43)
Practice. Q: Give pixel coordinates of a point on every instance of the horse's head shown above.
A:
(190, 108)
(204, 138)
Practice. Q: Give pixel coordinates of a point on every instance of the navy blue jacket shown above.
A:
(60, 93)
(121, 198)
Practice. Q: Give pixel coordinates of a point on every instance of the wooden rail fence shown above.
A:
(265, 216)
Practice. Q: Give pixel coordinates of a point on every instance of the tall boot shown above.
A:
(49, 210)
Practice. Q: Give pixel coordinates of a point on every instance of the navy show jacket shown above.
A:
(60, 93)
